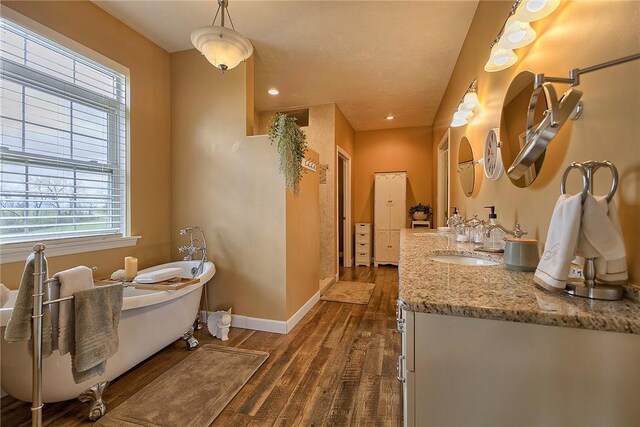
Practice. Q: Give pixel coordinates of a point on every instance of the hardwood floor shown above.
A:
(337, 367)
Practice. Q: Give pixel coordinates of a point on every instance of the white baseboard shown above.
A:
(268, 325)
(325, 283)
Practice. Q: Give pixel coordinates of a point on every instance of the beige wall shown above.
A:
(322, 139)
(578, 34)
(149, 66)
(228, 184)
(403, 149)
(303, 240)
(345, 139)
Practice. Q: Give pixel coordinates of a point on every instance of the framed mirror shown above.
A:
(513, 125)
(466, 166)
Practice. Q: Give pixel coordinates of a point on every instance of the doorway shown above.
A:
(343, 208)
(443, 180)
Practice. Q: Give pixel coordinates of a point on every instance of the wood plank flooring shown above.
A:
(337, 368)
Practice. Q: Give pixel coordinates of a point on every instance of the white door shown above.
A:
(397, 195)
(381, 202)
(382, 246)
(393, 247)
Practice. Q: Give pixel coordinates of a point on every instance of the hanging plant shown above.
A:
(292, 146)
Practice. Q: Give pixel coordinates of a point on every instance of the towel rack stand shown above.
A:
(36, 319)
(590, 287)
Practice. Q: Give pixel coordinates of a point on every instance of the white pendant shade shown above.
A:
(457, 122)
(532, 10)
(516, 34)
(500, 59)
(470, 102)
(223, 47)
(461, 118)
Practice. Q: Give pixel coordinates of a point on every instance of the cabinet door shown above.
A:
(393, 248)
(398, 205)
(381, 246)
(381, 202)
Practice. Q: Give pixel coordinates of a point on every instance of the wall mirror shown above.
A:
(513, 125)
(466, 166)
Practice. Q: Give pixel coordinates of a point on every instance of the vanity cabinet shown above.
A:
(468, 371)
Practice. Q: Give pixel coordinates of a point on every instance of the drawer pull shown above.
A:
(400, 375)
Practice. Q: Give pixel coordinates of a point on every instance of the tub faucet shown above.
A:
(192, 249)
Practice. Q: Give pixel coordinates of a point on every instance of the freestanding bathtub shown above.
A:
(150, 320)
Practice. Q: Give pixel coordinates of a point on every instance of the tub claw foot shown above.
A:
(93, 396)
(192, 342)
(197, 325)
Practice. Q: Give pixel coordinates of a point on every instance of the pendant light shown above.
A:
(224, 47)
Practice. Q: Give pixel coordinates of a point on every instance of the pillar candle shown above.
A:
(130, 268)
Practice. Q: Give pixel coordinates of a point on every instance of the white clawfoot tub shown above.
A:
(150, 321)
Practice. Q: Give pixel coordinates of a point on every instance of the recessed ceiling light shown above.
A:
(390, 117)
(273, 92)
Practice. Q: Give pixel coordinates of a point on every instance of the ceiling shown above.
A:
(372, 58)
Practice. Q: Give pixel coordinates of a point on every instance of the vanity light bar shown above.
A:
(468, 106)
(516, 32)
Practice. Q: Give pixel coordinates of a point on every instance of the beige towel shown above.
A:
(97, 314)
(71, 281)
(562, 240)
(601, 238)
(4, 294)
(19, 325)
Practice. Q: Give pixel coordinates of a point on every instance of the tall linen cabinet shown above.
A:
(390, 210)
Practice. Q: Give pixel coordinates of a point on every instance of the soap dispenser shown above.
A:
(495, 241)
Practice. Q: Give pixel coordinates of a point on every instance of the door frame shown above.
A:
(444, 179)
(347, 259)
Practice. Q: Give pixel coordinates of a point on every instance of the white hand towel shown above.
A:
(560, 248)
(601, 238)
(71, 281)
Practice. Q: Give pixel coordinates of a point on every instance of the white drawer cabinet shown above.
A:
(363, 244)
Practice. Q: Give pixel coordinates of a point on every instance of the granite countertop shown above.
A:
(493, 292)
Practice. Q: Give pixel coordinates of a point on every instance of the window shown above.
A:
(63, 141)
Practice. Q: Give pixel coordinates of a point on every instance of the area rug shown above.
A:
(349, 292)
(191, 393)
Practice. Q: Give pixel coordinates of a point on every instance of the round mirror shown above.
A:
(513, 125)
(466, 166)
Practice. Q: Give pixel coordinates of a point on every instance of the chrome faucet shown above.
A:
(517, 233)
(192, 249)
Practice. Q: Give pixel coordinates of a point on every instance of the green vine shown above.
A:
(292, 146)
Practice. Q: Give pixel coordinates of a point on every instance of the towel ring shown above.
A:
(585, 179)
(614, 175)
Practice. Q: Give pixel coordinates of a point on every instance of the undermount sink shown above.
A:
(463, 260)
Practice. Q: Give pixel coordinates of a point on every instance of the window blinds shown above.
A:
(63, 141)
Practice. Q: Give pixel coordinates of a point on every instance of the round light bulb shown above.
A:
(516, 34)
(532, 10)
(273, 92)
(457, 122)
(500, 59)
(470, 102)
(389, 117)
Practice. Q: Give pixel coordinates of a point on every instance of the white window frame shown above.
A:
(13, 252)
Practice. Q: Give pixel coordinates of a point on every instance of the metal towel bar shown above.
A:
(36, 317)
